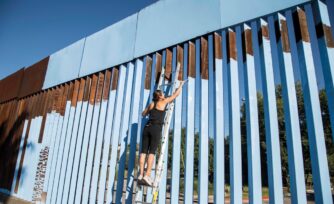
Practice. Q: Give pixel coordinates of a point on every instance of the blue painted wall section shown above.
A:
(153, 28)
(64, 65)
(169, 22)
(109, 47)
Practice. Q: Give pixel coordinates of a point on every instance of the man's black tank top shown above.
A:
(156, 116)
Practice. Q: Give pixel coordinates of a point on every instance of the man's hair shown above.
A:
(156, 95)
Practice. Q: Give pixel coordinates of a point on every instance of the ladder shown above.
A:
(165, 134)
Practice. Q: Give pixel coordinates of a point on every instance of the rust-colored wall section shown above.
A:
(303, 25)
(179, 57)
(232, 45)
(70, 92)
(10, 86)
(248, 41)
(51, 100)
(87, 88)
(8, 128)
(33, 79)
(99, 87)
(58, 93)
(30, 111)
(15, 134)
(41, 112)
(158, 67)
(46, 97)
(148, 72)
(63, 100)
(191, 60)
(106, 85)
(93, 89)
(114, 78)
(328, 36)
(218, 46)
(81, 89)
(75, 93)
(204, 59)
(285, 37)
(168, 68)
(265, 31)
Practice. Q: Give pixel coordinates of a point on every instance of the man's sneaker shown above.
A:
(147, 181)
(140, 180)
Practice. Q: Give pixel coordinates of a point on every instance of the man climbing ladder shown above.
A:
(158, 122)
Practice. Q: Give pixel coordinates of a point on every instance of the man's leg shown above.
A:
(150, 161)
(142, 163)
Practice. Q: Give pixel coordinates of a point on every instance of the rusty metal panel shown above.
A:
(114, 78)
(217, 46)
(81, 89)
(148, 72)
(204, 59)
(6, 135)
(106, 85)
(191, 60)
(47, 101)
(179, 57)
(41, 113)
(158, 67)
(34, 78)
(249, 42)
(10, 86)
(93, 89)
(168, 65)
(328, 36)
(232, 54)
(87, 88)
(74, 99)
(303, 26)
(1, 91)
(15, 134)
(285, 38)
(32, 101)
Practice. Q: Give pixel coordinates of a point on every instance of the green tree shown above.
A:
(283, 145)
(263, 147)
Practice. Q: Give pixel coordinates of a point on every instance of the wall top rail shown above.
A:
(151, 29)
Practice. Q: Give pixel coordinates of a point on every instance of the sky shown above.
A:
(32, 30)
